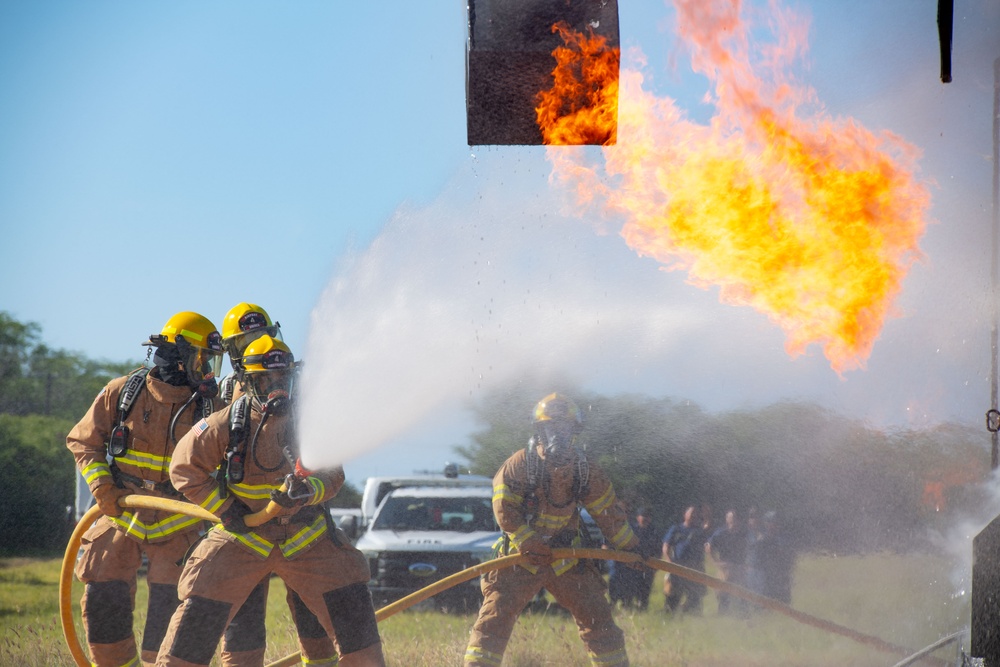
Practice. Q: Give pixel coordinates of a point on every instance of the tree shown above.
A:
(37, 477)
(35, 379)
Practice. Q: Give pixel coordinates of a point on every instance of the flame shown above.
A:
(812, 221)
(582, 105)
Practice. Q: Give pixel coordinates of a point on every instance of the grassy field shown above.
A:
(907, 600)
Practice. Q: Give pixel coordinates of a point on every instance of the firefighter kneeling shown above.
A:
(536, 494)
(252, 446)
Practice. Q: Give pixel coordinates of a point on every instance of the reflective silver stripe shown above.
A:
(253, 491)
(152, 531)
(96, 470)
(304, 538)
(251, 541)
(145, 461)
(503, 492)
(606, 500)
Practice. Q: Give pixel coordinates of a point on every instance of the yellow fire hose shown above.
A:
(256, 519)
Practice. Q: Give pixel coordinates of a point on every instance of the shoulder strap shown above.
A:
(130, 392)
(239, 417)
(582, 481)
(227, 388)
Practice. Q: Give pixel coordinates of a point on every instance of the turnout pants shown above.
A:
(330, 579)
(581, 591)
(245, 639)
(107, 566)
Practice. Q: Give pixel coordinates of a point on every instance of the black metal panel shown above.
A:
(509, 61)
(985, 639)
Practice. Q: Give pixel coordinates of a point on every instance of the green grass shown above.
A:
(906, 600)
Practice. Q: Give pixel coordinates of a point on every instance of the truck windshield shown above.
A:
(443, 514)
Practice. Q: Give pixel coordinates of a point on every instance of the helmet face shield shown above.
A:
(270, 384)
(557, 436)
(237, 345)
(268, 371)
(202, 364)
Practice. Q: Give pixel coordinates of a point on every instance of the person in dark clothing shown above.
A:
(684, 544)
(772, 560)
(629, 585)
(728, 549)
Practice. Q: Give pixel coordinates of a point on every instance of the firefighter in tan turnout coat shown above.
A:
(233, 464)
(536, 497)
(123, 445)
(245, 638)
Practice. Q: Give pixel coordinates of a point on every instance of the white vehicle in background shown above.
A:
(420, 534)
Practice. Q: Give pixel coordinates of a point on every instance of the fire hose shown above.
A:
(258, 518)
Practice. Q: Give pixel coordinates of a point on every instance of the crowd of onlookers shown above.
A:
(749, 551)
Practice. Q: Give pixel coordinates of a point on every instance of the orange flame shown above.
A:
(813, 222)
(582, 105)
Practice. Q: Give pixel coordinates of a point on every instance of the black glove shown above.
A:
(232, 518)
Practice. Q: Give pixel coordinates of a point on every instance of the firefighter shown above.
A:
(251, 445)
(122, 446)
(245, 637)
(537, 494)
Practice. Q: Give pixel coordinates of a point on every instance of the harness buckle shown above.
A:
(149, 485)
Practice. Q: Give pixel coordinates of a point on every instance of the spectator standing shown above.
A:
(772, 559)
(629, 585)
(684, 544)
(728, 549)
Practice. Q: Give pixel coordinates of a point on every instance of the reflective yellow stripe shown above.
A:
(606, 500)
(253, 491)
(623, 536)
(521, 534)
(153, 531)
(251, 541)
(145, 461)
(96, 470)
(561, 567)
(304, 538)
(134, 662)
(611, 659)
(213, 502)
(482, 656)
(503, 492)
(552, 522)
(319, 490)
(322, 662)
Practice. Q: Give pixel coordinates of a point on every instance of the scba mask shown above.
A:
(272, 391)
(557, 437)
(269, 375)
(201, 365)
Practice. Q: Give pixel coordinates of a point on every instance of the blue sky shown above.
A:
(311, 157)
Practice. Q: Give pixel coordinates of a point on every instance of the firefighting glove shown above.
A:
(107, 496)
(232, 518)
(535, 548)
(298, 492)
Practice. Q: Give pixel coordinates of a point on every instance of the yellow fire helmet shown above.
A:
(556, 407)
(243, 324)
(268, 369)
(198, 343)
